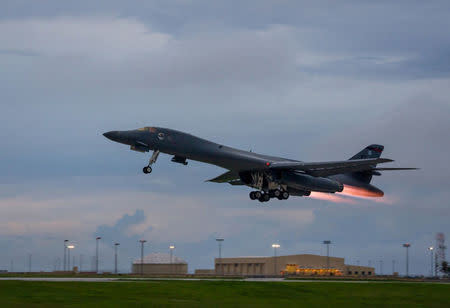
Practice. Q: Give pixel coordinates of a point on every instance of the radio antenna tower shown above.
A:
(440, 251)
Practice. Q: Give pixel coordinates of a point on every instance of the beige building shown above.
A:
(160, 264)
(304, 264)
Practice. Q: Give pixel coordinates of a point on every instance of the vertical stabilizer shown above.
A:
(371, 151)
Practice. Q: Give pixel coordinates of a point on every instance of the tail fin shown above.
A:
(371, 151)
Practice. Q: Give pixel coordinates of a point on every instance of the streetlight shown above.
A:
(219, 240)
(96, 253)
(142, 255)
(275, 246)
(328, 253)
(171, 248)
(431, 263)
(65, 248)
(115, 257)
(407, 245)
(69, 247)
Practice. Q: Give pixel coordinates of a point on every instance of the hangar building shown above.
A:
(160, 264)
(302, 264)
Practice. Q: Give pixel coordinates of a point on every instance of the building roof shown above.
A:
(160, 258)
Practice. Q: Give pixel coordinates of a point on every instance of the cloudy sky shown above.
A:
(310, 80)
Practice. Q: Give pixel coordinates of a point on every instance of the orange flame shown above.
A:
(349, 194)
(360, 192)
(330, 197)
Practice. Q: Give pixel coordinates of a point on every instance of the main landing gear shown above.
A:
(147, 169)
(262, 196)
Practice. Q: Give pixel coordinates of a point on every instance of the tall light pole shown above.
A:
(275, 246)
(328, 253)
(65, 248)
(69, 247)
(142, 255)
(393, 267)
(219, 240)
(115, 257)
(29, 262)
(98, 238)
(436, 265)
(171, 248)
(431, 260)
(407, 245)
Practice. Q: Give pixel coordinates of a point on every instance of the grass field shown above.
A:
(221, 294)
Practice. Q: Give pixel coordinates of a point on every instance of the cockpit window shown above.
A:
(161, 136)
(148, 129)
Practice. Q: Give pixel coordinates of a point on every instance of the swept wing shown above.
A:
(332, 167)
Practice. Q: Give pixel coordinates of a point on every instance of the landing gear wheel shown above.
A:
(266, 197)
(147, 169)
(277, 193)
(258, 195)
(252, 195)
(261, 199)
(285, 195)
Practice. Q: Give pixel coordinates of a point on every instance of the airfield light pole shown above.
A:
(328, 253)
(171, 248)
(29, 262)
(142, 255)
(69, 247)
(219, 240)
(275, 246)
(381, 267)
(115, 257)
(431, 260)
(407, 245)
(65, 248)
(96, 253)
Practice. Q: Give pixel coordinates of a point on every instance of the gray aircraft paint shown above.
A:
(355, 172)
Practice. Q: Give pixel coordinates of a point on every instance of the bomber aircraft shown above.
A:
(272, 177)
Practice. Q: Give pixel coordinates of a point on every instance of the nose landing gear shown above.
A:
(147, 169)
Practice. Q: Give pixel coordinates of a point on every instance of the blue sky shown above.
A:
(310, 80)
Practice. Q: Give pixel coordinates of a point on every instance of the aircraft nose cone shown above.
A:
(112, 135)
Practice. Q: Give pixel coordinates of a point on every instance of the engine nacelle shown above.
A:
(298, 192)
(307, 182)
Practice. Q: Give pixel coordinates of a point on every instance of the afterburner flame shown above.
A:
(329, 197)
(360, 192)
(351, 194)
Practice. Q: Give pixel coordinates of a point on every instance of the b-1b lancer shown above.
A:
(272, 177)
